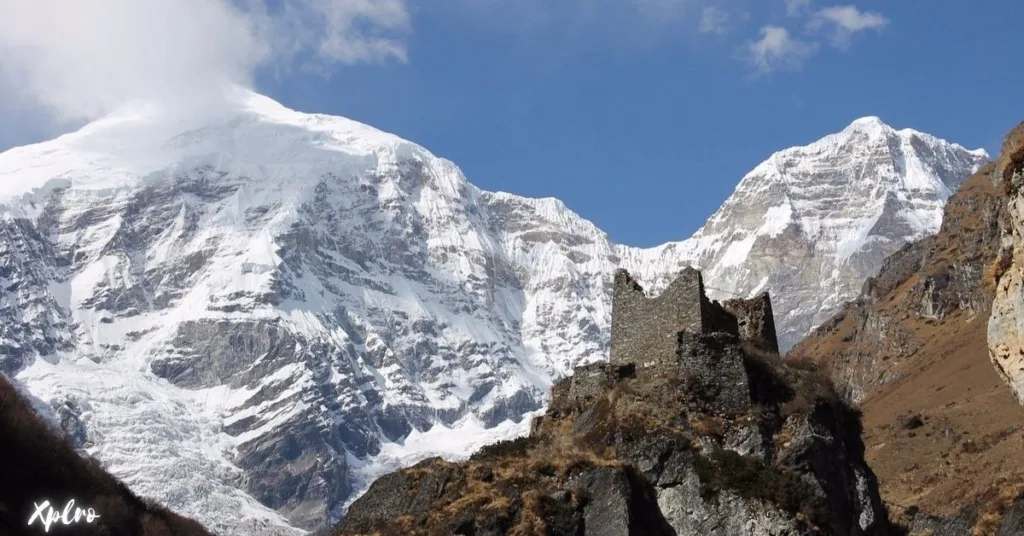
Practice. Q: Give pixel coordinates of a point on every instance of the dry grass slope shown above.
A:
(1012, 154)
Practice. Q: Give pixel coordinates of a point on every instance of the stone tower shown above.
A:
(646, 331)
(645, 328)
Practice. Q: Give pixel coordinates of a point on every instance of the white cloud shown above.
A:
(348, 31)
(713, 20)
(720, 20)
(846, 21)
(778, 50)
(78, 59)
(797, 7)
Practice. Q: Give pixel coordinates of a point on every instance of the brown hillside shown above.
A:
(36, 464)
(943, 432)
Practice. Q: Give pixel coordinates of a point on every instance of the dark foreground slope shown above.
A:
(944, 433)
(724, 440)
(37, 464)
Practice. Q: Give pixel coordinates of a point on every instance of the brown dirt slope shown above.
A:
(36, 464)
(944, 434)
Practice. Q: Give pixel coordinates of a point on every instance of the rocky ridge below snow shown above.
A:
(942, 428)
(711, 436)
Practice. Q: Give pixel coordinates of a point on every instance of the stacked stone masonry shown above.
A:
(755, 321)
(682, 334)
(646, 330)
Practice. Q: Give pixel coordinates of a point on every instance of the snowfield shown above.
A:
(254, 315)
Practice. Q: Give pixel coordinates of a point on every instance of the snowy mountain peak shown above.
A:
(810, 223)
(252, 135)
(875, 129)
(871, 125)
(262, 296)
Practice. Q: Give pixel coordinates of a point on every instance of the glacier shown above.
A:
(257, 313)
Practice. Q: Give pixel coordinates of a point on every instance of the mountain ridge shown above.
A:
(941, 425)
(788, 204)
(284, 299)
(693, 426)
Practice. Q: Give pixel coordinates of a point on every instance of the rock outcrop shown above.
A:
(702, 433)
(1006, 327)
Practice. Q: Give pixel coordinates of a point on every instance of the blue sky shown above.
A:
(642, 115)
(645, 127)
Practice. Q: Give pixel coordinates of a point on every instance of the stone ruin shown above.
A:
(683, 335)
(646, 330)
(674, 413)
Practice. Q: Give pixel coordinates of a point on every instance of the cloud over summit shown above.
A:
(75, 60)
(79, 59)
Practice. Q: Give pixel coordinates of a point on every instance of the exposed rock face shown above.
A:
(71, 417)
(605, 500)
(943, 431)
(253, 310)
(711, 439)
(1006, 327)
(755, 321)
(872, 340)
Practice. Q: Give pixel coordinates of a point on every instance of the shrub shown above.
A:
(998, 268)
(506, 448)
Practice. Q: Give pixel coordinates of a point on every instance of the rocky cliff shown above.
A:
(942, 430)
(1005, 339)
(922, 289)
(721, 439)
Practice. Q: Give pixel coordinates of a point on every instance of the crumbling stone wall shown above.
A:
(644, 330)
(755, 321)
(720, 320)
(587, 384)
(713, 371)
(682, 334)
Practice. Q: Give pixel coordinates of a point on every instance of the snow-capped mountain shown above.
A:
(250, 316)
(811, 223)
